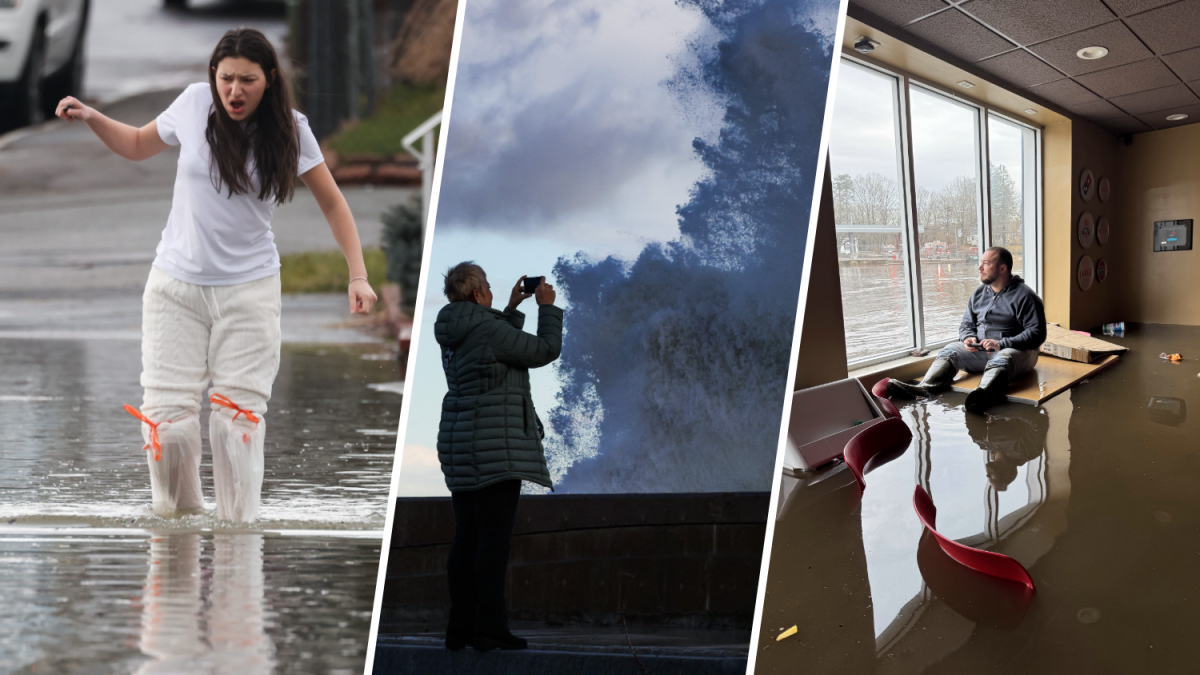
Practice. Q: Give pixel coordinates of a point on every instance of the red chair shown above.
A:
(995, 564)
(874, 441)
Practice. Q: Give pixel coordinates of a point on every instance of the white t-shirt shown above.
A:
(211, 238)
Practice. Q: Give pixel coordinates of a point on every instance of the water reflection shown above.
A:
(1010, 440)
(87, 601)
(1115, 582)
(982, 498)
(864, 568)
(1167, 410)
(205, 617)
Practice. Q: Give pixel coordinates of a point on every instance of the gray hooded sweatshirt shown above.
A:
(1014, 317)
(489, 430)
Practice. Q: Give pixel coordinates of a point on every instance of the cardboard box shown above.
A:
(824, 419)
(1072, 346)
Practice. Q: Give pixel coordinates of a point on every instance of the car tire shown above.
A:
(25, 104)
(68, 81)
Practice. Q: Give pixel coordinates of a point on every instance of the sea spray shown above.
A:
(677, 366)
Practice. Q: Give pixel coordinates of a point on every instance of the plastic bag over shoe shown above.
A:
(175, 475)
(237, 450)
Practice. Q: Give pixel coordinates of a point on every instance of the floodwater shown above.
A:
(1096, 493)
(93, 582)
(99, 601)
(875, 303)
(73, 456)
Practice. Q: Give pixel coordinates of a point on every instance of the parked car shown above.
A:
(41, 57)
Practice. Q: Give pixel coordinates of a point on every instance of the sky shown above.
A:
(573, 131)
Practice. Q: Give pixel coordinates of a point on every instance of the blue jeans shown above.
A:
(1016, 362)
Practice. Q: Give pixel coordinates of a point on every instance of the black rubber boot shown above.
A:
(937, 379)
(992, 389)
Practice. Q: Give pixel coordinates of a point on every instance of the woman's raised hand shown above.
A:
(518, 293)
(544, 294)
(362, 297)
(70, 109)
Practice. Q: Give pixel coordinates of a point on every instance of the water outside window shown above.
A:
(945, 136)
(870, 215)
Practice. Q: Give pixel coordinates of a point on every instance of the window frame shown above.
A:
(910, 239)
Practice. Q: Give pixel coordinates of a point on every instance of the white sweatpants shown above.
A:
(190, 335)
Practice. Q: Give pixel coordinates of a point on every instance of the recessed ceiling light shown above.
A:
(964, 84)
(1176, 117)
(1092, 53)
(1030, 111)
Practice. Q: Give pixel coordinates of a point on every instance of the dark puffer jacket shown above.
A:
(489, 430)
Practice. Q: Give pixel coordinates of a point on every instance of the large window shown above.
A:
(914, 207)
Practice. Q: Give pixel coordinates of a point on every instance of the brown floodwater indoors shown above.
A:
(1096, 493)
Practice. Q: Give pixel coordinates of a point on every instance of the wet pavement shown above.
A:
(1096, 493)
(100, 601)
(582, 650)
(172, 45)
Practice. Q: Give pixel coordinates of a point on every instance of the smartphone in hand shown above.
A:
(531, 283)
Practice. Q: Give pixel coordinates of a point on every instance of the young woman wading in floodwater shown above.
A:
(211, 306)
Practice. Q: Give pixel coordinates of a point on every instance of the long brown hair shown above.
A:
(272, 134)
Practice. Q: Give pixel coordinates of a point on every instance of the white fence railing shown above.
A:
(425, 156)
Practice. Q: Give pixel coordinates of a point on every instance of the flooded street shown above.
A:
(875, 300)
(1095, 493)
(82, 558)
(73, 456)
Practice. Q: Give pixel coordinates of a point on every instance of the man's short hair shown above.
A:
(463, 280)
(1005, 256)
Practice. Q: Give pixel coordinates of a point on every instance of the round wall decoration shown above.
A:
(1101, 270)
(1103, 190)
(1086, 272)
(1087, 185)
(1086, 230)
(1102, 230)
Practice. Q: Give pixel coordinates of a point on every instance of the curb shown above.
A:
(372, 168)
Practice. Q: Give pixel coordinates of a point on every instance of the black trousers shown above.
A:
(478, 563)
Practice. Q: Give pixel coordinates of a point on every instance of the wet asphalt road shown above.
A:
(138, 45)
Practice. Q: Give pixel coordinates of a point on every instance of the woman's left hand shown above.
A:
(362, 297)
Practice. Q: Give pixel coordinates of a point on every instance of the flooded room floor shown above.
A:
(1096, 493)
(84, 563)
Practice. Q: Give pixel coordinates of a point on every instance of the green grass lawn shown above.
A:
(325, 271)
(398, 112)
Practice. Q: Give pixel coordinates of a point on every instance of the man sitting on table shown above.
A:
(1000, 333)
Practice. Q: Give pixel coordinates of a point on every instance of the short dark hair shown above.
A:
(1005, 256)
(463, 280)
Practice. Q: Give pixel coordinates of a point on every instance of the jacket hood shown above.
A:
(456, 321)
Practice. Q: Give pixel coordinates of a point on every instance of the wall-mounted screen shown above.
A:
(1173, 235)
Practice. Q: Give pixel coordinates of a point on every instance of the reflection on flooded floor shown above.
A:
(87, 600)
(92, 582)
(1096, 493)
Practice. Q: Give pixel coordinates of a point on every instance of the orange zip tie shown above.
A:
(153, 431)
(222, 400)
